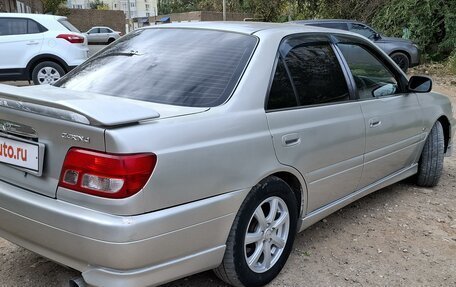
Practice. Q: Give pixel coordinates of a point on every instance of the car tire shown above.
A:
(110, 40)
(47, 72)
(430, 165)
(275, 236)
(402, 60)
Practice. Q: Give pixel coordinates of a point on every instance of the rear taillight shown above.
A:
(106, 175)
(74, 39)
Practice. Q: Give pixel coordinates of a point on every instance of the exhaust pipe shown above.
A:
(77, 282)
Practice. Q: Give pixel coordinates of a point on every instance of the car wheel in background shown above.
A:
(401, 60)
(111, 40)
(431, 162)
(262, 235)
(47, 73)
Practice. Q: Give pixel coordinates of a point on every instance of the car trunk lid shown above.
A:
(48, 121)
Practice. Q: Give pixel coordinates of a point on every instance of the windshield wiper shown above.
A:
(127, 54)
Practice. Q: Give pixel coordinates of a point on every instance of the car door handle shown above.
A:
(33, 43)
(291, 140)
(375, 123)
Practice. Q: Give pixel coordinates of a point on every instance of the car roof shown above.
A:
(100, 27)
(250, 27)
(30, 16)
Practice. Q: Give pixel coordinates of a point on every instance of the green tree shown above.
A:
(98, 5)
(51, 6)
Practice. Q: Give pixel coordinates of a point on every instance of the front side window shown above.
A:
(315, 72)
(94, 31)
(371, 77)
(362, 30)
(186, 67)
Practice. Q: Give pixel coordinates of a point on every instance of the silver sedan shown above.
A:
(202, 146)
(102, 35)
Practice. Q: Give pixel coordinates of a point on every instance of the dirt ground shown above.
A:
(402, 235)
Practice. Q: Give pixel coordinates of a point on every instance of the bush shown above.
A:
(432, 23)
(451, 64)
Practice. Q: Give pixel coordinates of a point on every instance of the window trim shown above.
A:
(347, 75)
(398, 76)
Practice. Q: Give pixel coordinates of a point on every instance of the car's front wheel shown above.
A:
(430, 165)
(47, 72)
(262, 235)
(401, 60)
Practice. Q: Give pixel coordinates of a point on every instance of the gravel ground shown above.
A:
(402, 235)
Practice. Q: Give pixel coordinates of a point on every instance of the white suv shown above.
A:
(37, 47)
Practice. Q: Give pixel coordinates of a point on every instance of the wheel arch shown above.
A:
(446, 130)
(42, 58)
(403, 52)
(298, 186)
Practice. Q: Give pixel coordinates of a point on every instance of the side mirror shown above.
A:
(385, 90)
(419, 84)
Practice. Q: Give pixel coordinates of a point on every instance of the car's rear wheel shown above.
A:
(111, 40)
(431, 161)
(47, 72)
(401, 60)
(262, 235)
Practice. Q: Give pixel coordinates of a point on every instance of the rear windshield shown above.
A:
(68, 25)
(185, 67)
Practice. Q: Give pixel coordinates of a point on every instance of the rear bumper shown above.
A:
(109, 250)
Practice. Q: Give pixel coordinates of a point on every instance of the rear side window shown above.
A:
(315, 71)
(186, 67)
(104, 30)
(19, 26)
(33, 27)
(68, 25)
(281, 95)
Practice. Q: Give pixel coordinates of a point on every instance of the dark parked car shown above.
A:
(404, 52)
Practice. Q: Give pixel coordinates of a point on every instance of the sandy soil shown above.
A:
(399, 236)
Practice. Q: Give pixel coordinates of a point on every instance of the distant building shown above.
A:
(21, 6)
(138, 8)
(78, 4)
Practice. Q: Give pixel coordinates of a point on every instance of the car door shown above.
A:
(104, 35)
(316, 127)
(394, 126)
(94, 35)
(20, 40)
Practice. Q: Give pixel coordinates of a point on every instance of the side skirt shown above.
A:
(326, 210)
